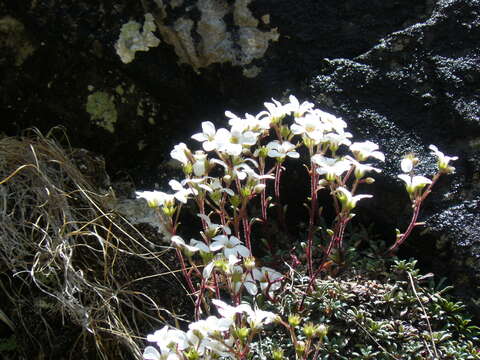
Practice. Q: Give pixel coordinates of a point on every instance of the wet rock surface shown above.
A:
(403, 73)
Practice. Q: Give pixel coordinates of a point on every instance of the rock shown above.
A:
(415, 87)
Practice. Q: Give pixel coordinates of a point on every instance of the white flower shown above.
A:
(207, 270)
(331, 167)
(257, 124)
(155, 198)
(181, 193)
(361, 169)
(214, 228)
(257, 318)
(336, 139)
(150, 353)
(231, 142)
(309, 125)
(414, 183)
(210, 325)
(216, 185)
(276, 111)
(165, 337)
(230, 245)
(298, 109)
(207, 137)
(443, 160)
(406, 165)
(281, 150)
(366, 149)
(346, 198)
(220, 348)
(268, 278)
(228, 311)
(243, 170)
(330, 121)
(200, 163)
(180, 152)
(194, 246)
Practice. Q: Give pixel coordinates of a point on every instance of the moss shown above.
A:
(14, 40)
(102, 110)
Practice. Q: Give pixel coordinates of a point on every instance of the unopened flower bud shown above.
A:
(169, 211)
(216, 196)
(277, 354)
(309, 330)
(285, 131)
(221, 265)
(235, 200)
(294, 320)
(262, 152)
(369, 180)
(308, 142)
(188, 169)
(300, 348)
(242, 333)
(249, 263)
(322, 183)
(192, 354)
(259, 188)
(246, 192)
(321, 331)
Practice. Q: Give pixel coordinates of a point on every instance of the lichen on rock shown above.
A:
(219, 41)
(14, 40)
(102, 110)
(132, 40)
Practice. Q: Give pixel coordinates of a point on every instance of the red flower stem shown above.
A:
(417, 204)
(312, 213)
(199, 300)
(184, 270)
(246, 225)
(263, 196)
(278, 174)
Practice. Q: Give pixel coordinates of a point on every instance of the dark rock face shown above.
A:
(416, 87)
(403, 73)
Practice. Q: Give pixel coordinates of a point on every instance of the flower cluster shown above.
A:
(214, 337)
(419, 187)
(234, 167)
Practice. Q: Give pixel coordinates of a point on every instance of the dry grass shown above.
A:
(67, 264)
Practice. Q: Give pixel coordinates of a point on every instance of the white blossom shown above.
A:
(406, 165)
(268, 278)
(207, 137)
(331, 167)
(228, 311)
(230, 245)
(180, 152)
(214, 228)
(443, 160)
(275, 111)
(298, 109)
(309, 125)
(281, 150)
(181, 194)
(366, 149)
(194, 246)
(155, 198)
(414, 183)
(361, 169)
(200, 163)
(348, 200)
